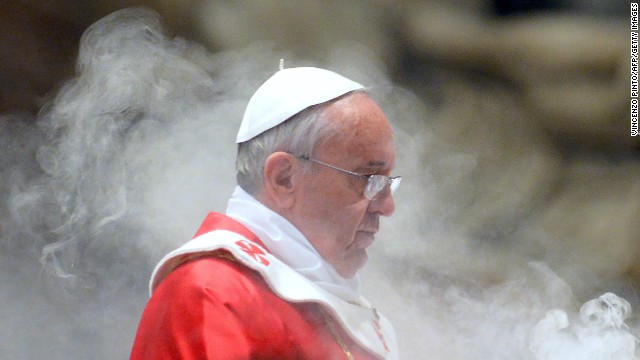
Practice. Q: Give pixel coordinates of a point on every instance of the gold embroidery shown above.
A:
(336, 335)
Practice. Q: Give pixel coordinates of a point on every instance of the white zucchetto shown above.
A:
(288, 92)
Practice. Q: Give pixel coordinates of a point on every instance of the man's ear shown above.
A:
(280, 178)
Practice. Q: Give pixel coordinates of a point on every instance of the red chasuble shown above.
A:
(210, 305)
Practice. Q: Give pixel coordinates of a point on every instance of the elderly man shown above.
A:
(275, 278)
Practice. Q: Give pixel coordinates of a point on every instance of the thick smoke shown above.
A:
(121, 166)
(599, 333)
(132, 153)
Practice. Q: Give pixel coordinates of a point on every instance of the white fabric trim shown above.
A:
(357, 320)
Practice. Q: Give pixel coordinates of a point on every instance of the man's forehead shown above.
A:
(370, 156)
(356, 114)
(363, 134)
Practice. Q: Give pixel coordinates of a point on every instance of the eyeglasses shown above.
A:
(375, 183)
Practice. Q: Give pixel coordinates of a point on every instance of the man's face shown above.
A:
(332, 211)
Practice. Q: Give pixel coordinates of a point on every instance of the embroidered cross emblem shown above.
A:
(254, 251)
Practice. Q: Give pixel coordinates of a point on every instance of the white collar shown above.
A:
(289, 245)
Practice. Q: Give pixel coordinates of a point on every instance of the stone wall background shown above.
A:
(518, 144)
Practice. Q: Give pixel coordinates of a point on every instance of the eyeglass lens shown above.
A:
(377, 183)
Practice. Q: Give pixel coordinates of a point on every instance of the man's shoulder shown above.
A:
(219, 280)
(217, 272)
(217, 221)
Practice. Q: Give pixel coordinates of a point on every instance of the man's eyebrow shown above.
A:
(371, 165)
(376, 163)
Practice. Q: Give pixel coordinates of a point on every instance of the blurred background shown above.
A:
(521, 189)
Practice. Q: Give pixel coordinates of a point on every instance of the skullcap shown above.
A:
(288, 92)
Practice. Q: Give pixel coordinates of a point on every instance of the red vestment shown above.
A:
(212, 306)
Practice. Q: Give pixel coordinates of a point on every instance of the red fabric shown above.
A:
(215, 308)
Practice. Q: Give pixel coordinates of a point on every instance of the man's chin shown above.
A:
(357, 261)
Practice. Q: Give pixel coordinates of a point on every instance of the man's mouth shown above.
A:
(364, 238)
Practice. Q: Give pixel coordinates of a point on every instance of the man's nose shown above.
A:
(384, 203)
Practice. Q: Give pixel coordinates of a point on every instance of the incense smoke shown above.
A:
(131, 154)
